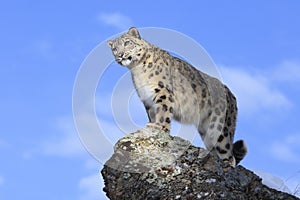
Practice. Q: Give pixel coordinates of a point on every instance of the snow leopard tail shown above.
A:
(239, 150)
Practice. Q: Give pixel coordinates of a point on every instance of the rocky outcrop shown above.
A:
(150, 164)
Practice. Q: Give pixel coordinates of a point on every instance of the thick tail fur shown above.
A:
(239, 150)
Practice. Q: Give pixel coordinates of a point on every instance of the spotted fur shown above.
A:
(171, 88)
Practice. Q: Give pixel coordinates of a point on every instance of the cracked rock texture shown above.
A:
(150, 164)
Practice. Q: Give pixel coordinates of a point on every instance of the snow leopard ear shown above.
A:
(109, 43)
(134, 32)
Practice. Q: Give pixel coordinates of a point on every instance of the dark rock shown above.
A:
(150, 164)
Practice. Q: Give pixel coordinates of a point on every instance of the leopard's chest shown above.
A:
(144, 87)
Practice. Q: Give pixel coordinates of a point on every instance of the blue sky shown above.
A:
(255, 44)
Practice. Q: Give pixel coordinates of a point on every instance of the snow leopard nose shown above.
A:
(120, 55)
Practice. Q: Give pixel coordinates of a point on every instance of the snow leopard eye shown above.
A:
(126, 43)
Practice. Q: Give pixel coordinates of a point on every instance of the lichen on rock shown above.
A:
(149, 151)
(151, 164)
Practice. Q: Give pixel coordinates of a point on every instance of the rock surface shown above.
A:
(150, 164)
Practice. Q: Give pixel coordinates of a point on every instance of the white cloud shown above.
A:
(255, 93)
(91, 187)
(95, 137)
(68, 144)
(66, 141)
(115, 19)
(287, 149)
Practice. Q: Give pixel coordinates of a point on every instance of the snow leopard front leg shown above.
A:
(160, 112)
